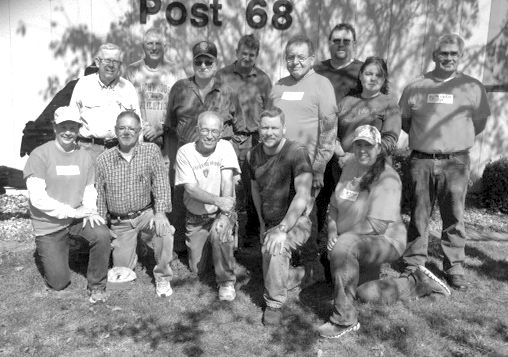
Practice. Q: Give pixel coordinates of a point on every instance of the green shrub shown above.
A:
(400, 158)
(495, 185)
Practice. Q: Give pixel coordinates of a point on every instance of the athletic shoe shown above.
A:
(227, 291)
(272, 316)
(97, 295)
(163, 288)
(427, 283)
(331, 330)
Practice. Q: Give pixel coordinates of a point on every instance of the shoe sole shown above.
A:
(351, 329)
(228, 298)
(165, 295)
(434, 278)
(92, 301)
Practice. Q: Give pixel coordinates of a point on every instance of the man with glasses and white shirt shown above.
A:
(133, 188)
(342, 70)
(308, 102)
(100, 98)
(190, 97)
(205, 168)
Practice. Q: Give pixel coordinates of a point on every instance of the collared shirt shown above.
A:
(185, 104)
(253, 91)
(128, 186)
(100, 104)
(311, 114)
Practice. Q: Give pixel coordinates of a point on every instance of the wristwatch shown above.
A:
(283, 228)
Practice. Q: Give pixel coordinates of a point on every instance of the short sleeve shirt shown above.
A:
(205, 171)
(66, 175)
(275, 176)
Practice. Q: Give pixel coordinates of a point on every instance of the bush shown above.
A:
(400, 163)
(495, 185)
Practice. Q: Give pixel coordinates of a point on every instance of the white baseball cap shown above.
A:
(67, 114)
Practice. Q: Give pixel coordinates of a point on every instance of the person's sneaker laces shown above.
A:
(272, 316)
(163, 288)
(97, 295)
(331, 330)
(425, 279)
(227, 292)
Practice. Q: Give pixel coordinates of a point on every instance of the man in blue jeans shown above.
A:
(60, 182)
(442, 112)
(281, 182)
(133, 187)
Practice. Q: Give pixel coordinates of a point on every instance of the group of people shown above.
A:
(312, 153)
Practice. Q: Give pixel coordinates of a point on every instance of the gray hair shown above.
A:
(452, 39)
(108, 46)
(157, 31)
(210, 114)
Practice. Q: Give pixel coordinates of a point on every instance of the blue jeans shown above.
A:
(124, 252)
(202, 246)
(447, 181)
(354, 255)
(53, 250)
(276, 270)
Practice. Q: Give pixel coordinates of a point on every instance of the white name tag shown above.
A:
(71, 170)
(292, 95)
(349, 195)
(440, 98)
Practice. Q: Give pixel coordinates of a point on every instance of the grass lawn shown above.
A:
(192, 322)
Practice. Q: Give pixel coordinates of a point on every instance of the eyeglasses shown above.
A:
(130, 129)
(291, 59)
(205, 132)
(110, 61)
(208, 63)
(338, 41)
(447, 54)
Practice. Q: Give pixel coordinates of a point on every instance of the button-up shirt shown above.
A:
(100, 104)
(125, 187)
(185, 104)
(253, 91)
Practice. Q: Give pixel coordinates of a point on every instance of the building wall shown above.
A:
(50, 42)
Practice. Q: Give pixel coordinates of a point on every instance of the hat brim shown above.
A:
(203, 54)
(370, 141)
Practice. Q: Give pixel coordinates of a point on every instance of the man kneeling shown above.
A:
(206, 168)
(281, 179)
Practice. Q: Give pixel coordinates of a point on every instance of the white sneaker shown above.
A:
(163, 288)
(227, 292)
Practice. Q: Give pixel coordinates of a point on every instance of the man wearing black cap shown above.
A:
(190, 97)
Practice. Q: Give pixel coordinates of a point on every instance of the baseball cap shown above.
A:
(204, 48)
(368, 133)
(67, 114)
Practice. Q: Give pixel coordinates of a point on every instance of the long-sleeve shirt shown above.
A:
(185, 104)
(311, 114)
(128, 186)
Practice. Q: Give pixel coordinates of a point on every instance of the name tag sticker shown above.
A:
(349, 195)
(440, 98)
(292, 95)
(71, 170)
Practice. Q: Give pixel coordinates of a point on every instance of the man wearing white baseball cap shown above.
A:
(60, 182)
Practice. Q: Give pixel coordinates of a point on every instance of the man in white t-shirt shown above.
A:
(206, 169)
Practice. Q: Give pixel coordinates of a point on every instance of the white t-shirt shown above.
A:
(192, 167)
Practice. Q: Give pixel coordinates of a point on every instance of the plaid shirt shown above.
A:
(128, 186)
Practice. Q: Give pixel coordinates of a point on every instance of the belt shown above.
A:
(130, 215)
(424, 155)
(203, 216)
(108, 143)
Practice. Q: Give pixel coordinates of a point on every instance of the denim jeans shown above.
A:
(276, 270)
(354, 255)
(447, 181)
(53, 250)
(201, 246)
(124, 252)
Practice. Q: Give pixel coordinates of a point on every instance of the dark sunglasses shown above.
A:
(198, 62)
(345, 41)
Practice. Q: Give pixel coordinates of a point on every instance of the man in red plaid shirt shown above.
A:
(133, 187)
